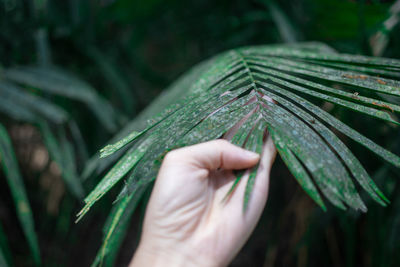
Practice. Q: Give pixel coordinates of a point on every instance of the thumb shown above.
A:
(215, 154)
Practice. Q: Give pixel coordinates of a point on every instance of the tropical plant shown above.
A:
(25, 94)
(239, 94)
(117, 49)
(23, 209)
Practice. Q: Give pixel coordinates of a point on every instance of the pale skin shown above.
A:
(187, 221)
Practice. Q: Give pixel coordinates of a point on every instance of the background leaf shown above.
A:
(17, 188)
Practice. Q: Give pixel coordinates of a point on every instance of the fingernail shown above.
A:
(251, 155)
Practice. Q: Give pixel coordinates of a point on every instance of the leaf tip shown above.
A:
(106, 151)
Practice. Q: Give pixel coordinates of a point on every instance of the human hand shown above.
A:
(187, 223)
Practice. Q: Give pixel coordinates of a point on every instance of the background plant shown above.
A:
(118, 47)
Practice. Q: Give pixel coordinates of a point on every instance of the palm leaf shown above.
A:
(116, 227)
(57, 82)
(22, 104)
(242, 92)
(61, 151)
(18, 97)
(18, 193)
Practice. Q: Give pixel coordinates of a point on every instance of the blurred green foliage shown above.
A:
(129, 51)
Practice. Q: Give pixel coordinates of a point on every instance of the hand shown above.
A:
(187, 223)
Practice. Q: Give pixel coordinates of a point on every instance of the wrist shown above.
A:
(156, 257)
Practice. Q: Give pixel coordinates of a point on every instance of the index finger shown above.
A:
(215, 154)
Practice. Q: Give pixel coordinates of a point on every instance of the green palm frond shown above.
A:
(57, 82)
(258, 88)
(116, 227)
(14, 179)
(62, 152)
(26, 95)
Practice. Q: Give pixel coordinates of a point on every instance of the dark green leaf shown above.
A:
(62, 153)
(296, 168)
(58, 82)
(14, 179)
(201, 107)
(32, 103)
(348, 158)
(254, 143)
(116, 228)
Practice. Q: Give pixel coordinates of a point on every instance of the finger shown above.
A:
(215, 154)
